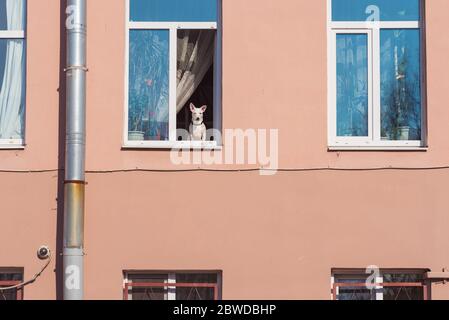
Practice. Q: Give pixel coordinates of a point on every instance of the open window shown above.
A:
(10, 277)
(163, 285)
(174, 62)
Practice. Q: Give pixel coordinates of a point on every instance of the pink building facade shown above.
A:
(329, 212)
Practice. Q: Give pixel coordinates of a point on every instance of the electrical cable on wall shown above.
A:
(390, 168)
(43, 253)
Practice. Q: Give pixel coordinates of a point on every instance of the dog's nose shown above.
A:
(197, 119)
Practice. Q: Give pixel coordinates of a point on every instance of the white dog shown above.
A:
(197, 129)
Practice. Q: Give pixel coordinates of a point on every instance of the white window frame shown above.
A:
(373, 141)
(173, 28)
(11, 35)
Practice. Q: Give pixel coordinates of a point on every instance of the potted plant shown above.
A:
(401, 116)
(135, 122)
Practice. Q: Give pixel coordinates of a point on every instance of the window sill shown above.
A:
(379, 148)
(167, 145)
(11, 145)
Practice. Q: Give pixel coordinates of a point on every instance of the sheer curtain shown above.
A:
(195, 57)
(13, 86)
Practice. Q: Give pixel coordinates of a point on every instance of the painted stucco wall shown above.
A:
(273, 237)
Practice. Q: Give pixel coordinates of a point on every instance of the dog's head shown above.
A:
(197, 114)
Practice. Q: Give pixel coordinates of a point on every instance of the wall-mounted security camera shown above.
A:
(43, 252)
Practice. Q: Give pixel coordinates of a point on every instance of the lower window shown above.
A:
(388, 284)
(148, 285)
(9, 278)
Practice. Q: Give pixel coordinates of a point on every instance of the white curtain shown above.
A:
(195, 56)
(12, 92)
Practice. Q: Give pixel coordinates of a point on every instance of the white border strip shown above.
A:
(12, 34)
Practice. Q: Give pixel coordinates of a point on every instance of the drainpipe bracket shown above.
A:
(62, 254)
(75, 182)
(83, 68)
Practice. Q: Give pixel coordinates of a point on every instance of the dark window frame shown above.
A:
(359, 277)
(12, 272)
(128, 285)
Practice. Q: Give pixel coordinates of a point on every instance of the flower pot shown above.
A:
(404, 133)
(136, 136)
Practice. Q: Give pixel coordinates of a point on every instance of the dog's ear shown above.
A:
(203, 108)
(192, 107)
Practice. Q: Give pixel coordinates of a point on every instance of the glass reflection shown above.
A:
(352, 85)
(148, 85)
(400, 84)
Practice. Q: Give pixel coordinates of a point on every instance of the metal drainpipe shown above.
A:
(73, 251)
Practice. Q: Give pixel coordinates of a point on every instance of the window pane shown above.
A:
(195, 78)
(403, 293)
(400, 84)
(16, 276)
(148, 85)
(12, 14)
(173, 10)
(397, 292)
(8, 295)
(356, 292)
(148, 293)
(352, 85)
(195, 293)
(383, 10)
(8, 276)
(12, 88)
